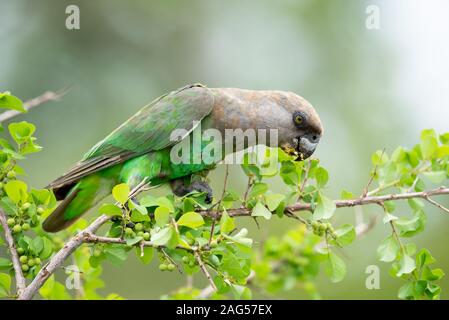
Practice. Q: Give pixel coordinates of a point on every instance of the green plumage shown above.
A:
(138, 149)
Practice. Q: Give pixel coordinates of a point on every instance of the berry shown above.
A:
(171, 267)
(37, 261)
(26, 226)
(185, 259)
(213, 243)
(97, 253)
(25, 267)
(163, 267)
(191, 264)
(11, 222)
(40, 210)
(138, 227)
(17, 228)
(139, 234)
(20, 251)
(31, 262)
(129, 231)
(26, 205)
(11, 175)
(146, 236)
(23, 259)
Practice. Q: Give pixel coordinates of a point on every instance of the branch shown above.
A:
(43, 98)
(58, 259)
(20, 279)
(239, 212)
(203, 268)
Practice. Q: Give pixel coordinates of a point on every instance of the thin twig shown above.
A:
(20, 279)
(43, 98)
(438, 205)
(203, 268)
(371, 179)
(214, 218)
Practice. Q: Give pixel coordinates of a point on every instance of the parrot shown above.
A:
(140, 148)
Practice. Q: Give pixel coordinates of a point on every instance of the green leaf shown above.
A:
(258, 189)
(335, 267)
(260, 210)
(132, 241)
(110, 210)
(273, 200)
(191, 219)
(5, 281)
(346, 195)
(21, 131)
(406, 265)
(424, 258)
(325, 208)
(162, 215)
(410, 227)
(345, 234)
(321, 176)
(388, 249)
(5, 263)
(37, 245)
(429, 143)
(47, 249)
(227, 224)
(8, 101)
(435, 176)
(161, 237)
(432, 274)
(16, 190)
(444, 138)
(116, 254)
(165, 202)
(379, 158)
(148, 253)
(121, 193)
(141, 209)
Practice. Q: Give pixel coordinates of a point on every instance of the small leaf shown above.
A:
(5, 281)
(321, 176)
(273, 200)
(227, 224)
(429, 143)
(260, 210)
(132, 241)
(335, 267)
(388, 249)
(325, 208)
(148, 253)
(110, 210)
(435, 176)
(121, 193)
(161, 215)
(8, 101)
(346, 195)
(191, 219)
(406, 265)
(345, 234)
(16, 190)
(424, 258)
(161, 237)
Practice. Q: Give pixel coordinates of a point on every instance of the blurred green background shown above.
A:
(372, 89)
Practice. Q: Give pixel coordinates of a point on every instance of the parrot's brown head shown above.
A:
(302, 129)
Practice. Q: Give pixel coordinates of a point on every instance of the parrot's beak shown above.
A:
(304, 146)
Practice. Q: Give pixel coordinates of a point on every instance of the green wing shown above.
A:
(148, 130)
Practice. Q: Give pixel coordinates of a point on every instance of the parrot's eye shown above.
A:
(299, 118)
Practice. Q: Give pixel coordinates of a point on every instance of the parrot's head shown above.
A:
(301, 127)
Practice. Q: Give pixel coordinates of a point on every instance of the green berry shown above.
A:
(17, 228)
(213, 244)
(138, 227)
(97, 253)
(129, 231)
(185, 259)
(146, 236)
(11, 222)
(20, 251)
(25, 267)
(171, 267)
(140, 234)
(31, 262)
(23, 259)
(163, 267)
(40, 210)
(37, 261)
(25, 226)
(191, 264)
(26, 206)
(11, 175)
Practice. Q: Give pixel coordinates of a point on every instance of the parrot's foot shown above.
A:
(180, 189)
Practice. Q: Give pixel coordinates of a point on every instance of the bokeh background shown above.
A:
(374, 89)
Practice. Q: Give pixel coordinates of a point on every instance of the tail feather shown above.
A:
(56, 221)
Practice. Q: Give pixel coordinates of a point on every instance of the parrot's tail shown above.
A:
(81, 197)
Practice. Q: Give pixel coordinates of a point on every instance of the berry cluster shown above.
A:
(322, 228)
(132, 230)
(28, 260)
